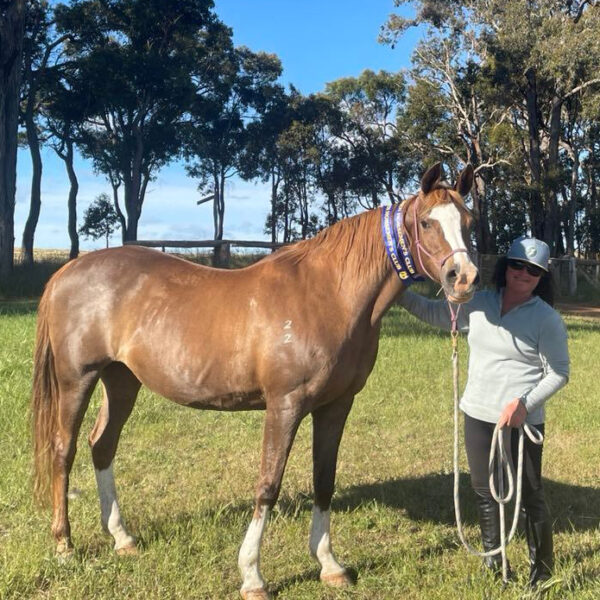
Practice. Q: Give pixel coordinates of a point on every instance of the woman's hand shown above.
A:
(513, 415)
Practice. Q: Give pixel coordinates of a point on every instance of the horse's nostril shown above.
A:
(451, 275)
(476, 280)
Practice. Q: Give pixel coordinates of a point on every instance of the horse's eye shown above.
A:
(425, 225)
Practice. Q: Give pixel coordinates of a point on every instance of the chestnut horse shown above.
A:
(295, 333)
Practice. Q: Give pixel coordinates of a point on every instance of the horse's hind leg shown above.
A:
(328, 426)
(120, 387)
(73, 399)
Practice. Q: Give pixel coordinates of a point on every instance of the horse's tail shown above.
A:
(44, 406)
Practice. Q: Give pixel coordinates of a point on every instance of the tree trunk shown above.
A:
(72, 202)
(274, 184)
(571, 204)
(536, 208)
(36, 184)
(12, 17)
(131, 229)
(221, 204)
(551, 217)
(483, 236)
(120, 215)
(218, 205)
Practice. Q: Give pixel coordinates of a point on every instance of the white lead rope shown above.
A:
(498, 456)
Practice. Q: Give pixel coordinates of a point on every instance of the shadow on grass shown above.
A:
(18, 307)
(430, 498)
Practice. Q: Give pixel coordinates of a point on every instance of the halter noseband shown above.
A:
(398, 248)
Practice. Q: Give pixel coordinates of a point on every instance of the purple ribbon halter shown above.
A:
(396, 244)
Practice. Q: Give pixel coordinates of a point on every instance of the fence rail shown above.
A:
(222, 248)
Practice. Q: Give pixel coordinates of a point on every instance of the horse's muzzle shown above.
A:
(459, 280)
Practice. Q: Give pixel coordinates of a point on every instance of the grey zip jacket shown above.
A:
(522, 354)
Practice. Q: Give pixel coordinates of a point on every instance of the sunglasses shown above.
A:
(533, 270)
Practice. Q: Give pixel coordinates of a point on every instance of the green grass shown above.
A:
(186, 481)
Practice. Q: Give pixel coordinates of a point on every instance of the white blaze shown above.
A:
(448, 216)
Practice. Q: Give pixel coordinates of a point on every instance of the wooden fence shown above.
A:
(221, 248)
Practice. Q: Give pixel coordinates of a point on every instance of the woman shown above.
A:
(518, 358)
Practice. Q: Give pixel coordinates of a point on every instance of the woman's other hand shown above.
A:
(513, 415)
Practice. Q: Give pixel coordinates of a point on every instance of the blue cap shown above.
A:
(530, 250)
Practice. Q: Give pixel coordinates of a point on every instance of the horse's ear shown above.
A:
(464, 182)
(432, 176)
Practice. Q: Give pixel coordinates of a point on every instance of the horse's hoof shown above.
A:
(128, 551)
(341, 579)
(258, 594)
(64, 551)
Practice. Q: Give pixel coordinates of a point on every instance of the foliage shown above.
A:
(100, 219)
(530, 70)
(138, 65)
(217, 127)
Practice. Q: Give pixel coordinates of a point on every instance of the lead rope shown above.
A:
(497, 457)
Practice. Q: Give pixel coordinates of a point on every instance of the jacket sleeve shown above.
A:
(554, 352)
(434, 312)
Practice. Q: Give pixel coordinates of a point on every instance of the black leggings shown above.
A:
(478, 438)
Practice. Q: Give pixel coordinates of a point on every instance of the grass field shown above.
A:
(186, 481)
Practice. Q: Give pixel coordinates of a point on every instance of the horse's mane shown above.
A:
(354, 244)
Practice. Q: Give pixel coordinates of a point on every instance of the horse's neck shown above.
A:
(366, 281)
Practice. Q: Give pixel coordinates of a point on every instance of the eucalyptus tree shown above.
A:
(298, 154)
(370, 106)
(12, 23)
(448, 118)
(41, 56)
(217, 128)
(139, 63)
(63, 113)
(261, 158)
(532, 58)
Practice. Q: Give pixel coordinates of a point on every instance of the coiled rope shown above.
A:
(498, 462)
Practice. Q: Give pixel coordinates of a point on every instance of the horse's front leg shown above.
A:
(281, 425)
(328, 426)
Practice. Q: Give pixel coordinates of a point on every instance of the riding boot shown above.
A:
(489, 522)
(541, 558)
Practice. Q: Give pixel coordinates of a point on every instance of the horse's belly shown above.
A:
(230, 402)
(202, 396)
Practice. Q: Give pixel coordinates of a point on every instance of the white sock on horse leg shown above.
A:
(249, 556)
(109, 507)
(320, 543)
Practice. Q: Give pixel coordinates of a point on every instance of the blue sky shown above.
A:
(317, 41)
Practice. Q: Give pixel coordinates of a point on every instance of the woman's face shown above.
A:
(520, 280)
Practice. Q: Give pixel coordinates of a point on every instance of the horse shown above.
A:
(294, 334)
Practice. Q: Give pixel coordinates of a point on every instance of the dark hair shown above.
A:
(544, 289)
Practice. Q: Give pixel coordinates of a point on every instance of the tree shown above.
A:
(370, 105)
(39, 46)
(100, 219)
(261, 157)
(217, 130)
(139, 63)
(12, 19)
(529, 61)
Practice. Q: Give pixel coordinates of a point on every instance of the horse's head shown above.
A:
(438, 223)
